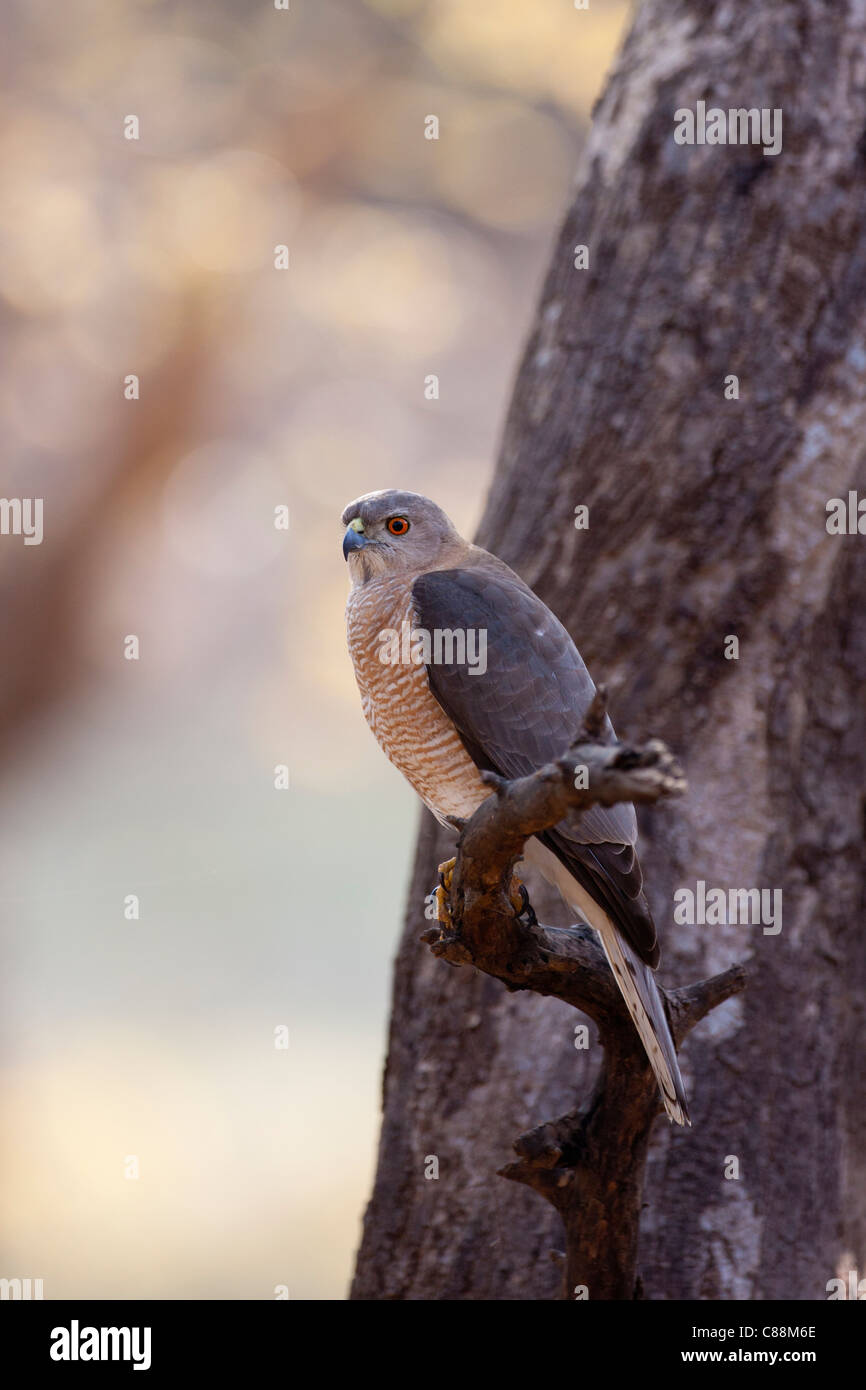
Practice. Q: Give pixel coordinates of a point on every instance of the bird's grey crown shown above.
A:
(373, 507)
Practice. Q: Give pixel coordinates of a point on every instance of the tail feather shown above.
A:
(644, 1003)
(634, 977)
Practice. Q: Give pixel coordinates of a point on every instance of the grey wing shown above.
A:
(523, 711)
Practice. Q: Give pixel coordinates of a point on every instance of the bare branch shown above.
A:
(588, 1163)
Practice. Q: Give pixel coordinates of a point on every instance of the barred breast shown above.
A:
(409, 723)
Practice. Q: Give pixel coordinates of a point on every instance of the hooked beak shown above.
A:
(354, 538)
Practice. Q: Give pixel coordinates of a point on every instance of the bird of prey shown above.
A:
(443, 718)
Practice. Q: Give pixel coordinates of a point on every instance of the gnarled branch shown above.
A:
(589, 1163)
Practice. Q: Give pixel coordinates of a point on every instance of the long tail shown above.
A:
(644, 1003)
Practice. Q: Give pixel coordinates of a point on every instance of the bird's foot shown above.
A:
(519, 898)
(443, 938)
(446, 874)
(436, 903)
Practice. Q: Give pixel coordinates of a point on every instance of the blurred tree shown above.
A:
(707, 519)
(42, 630)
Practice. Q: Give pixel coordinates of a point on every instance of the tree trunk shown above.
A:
(707, 519)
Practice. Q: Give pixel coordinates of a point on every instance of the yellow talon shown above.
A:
(440, 894)
(519, 899)
(446, 873)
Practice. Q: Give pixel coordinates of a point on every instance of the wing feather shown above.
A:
(524, 711)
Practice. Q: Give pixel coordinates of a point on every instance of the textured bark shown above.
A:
(707, 518)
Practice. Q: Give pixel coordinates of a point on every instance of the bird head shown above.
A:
(390, 531)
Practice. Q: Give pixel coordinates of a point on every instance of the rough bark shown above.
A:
(707, 518)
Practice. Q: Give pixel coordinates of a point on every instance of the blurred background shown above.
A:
(259, 907)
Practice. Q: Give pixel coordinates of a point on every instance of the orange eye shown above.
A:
(398, 526)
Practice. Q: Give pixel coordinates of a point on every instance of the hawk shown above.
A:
(443, 716)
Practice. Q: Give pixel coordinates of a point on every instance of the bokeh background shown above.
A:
(259, 387)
